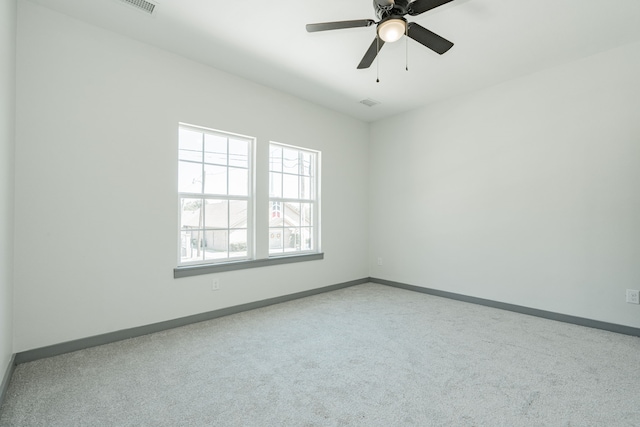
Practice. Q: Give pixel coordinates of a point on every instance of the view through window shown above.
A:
(214, 185)
(216, 198)
(293, 200)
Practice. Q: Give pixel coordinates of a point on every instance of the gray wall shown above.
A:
(96, 181)
(525, 193)
(7, 142)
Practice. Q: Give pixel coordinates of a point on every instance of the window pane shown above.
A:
(275, 158)
(189, 177)
(292, 214)
(216, 214)
(275, 239)
(291, 239)
(238, 214)
(305, 214)
(195, 156)
(305, 188)
(290, 186)
(215, 179)
(238, 153)
(275, 184)
(290, 163)
(189, 248)
(238, 243)
(190, 213)
(215, 149)
(190, 140)
(238, 182)
(276, 216)
(306, 243)
(216, 244)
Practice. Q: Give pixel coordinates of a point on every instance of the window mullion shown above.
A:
(203, 171)
(202, 222)
(228, 172)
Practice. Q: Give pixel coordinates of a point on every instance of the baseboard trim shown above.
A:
(6, 379)
(110, 337)
(581, 321)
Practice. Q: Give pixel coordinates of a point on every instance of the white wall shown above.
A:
(525, 193)
(96, 181)
(7, 143)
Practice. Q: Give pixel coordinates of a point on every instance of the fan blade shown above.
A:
(431, 40)
(420, 6)
(324, 26)
(371, 53)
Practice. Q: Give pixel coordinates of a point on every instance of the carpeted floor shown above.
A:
(369, 355)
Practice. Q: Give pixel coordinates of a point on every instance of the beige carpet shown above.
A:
(368, 355)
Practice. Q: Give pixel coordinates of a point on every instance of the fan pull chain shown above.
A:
(377, 59)
(406, 39)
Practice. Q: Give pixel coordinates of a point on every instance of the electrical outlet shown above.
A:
(215, 284)
(379, 260)
(633, 296)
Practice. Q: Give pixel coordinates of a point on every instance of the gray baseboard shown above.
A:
(6, 378)
(80, 344)
(611, 327)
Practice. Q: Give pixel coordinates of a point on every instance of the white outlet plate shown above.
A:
(215, 285)
(379, 260)
(633, 296)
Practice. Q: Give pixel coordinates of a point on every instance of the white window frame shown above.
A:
(281, 200)
(249, 198)
(257, 227)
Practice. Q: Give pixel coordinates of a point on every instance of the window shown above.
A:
(215, 193)
(218, 230)
(293, 200)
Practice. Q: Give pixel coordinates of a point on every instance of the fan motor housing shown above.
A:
(397, 8)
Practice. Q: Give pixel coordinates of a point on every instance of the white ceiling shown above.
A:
(266, 41)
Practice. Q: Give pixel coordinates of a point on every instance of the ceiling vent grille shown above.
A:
(369, 102)
(142, 5)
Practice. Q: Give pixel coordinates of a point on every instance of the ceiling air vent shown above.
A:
(141, 5)
(369, 102)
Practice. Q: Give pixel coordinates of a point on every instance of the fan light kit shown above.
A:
(392, 30)
(392, 26)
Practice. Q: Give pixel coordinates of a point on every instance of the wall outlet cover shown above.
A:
(633, 296)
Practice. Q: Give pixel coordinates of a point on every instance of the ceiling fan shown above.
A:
(392, 26)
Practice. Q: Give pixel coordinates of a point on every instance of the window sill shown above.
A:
(197, 270)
